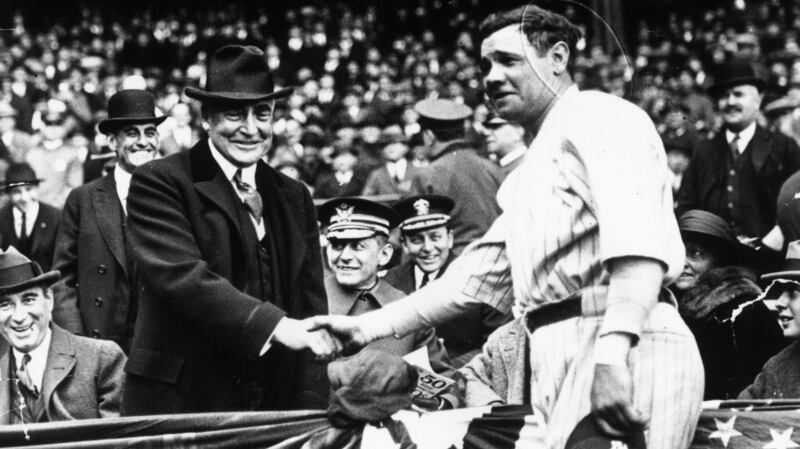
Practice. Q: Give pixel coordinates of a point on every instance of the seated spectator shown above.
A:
(716, 297)
(357, 234)
(427, 238)
(779, 378)
(57, 375)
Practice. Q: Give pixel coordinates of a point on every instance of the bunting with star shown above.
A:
(767, 424)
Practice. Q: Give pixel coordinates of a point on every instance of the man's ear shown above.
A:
(559, 57)
(450, 239)
(113, 143)
(385, 254)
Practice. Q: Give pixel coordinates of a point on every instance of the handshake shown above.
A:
(327, 336)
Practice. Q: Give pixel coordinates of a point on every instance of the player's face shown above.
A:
(135, 145)
(516, 78)
(739, 106)
(429, 249)
(25, 317)
(355, 262)
(242, 133)
(788, 306)
(699, 259)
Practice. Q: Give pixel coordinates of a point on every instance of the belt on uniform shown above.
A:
(564, 310)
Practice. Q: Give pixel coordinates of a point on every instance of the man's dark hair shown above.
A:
(542, 27)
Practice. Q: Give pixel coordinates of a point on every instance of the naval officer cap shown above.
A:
(423, 212)
(356, 218)
(442, 114)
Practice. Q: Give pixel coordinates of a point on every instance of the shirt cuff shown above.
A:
(268, 343)
(625, 317)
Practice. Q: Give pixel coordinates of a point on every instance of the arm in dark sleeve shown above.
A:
(66, 312)
(172, 269)
(311, 277)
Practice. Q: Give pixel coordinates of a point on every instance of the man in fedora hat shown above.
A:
(55, 375)
(395, 175)
(737, 174)
(227, 254)
(94, 296)
(25, 222)
(457, 171)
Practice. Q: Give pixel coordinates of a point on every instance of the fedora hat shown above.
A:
(712, 230)
(17, 272)
(20, 174)
(736, 73)
(130, 107)
(238, 73)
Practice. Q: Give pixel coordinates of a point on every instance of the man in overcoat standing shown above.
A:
(228, 258)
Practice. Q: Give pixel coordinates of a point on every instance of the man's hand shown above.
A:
(297, 335)
(612, 400)
(346, 328)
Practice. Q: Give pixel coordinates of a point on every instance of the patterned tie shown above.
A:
(24, 377)
(250, 196)
(735, 146)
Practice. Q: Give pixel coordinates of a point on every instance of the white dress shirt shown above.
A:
(248, 176)
(419, 274)
(38, 362)
(745, 136)
(122, 179)
(30, 219)
(397, 169)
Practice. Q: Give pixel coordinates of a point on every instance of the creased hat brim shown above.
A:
(43, 279)
(202, 95)
(108, 125)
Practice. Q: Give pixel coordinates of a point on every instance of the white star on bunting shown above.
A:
(781, 440)
(725, 430)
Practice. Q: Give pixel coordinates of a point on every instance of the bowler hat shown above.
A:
(129, 107)
(791, 265)
(708, 228)
(736, 73)
(19, 174)
(238, 73)
(587, 435)
(356, 218)
(18, 273)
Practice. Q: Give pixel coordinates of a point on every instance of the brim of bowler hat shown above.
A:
(11, 185)
(202, 95)
(742, 253)
(107, 126)
(47, 279)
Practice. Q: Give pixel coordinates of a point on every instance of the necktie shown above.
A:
(24, 377)
(250, 196)
(425, 280)
(23, 230)
(735, 146)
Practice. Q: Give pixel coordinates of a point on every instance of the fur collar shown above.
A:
(717, 287)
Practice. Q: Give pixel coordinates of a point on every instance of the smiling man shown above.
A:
(738, 174)
(56, 375)
(585, 243)
(94, 295)
(227, 254)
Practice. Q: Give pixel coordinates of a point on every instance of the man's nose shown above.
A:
(249, 125)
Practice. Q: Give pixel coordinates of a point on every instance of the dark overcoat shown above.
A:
(42, 239)
(205, 310)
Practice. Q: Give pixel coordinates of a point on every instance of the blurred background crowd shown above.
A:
(359, 67)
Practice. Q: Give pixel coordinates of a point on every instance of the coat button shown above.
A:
(98, 301)
(95, 333)
(101, 269)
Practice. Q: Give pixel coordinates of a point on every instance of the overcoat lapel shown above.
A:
(60, 363)
(108, 214)
(211, 184)
(760, 146)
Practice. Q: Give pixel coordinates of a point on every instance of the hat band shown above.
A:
(13, 184)
(360, 218)
(425, 221)
(19, 274)
(337, 229)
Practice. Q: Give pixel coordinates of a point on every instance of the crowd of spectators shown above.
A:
(359, 68)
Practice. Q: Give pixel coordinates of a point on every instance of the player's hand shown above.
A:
(298, 335)
(345, 328)
(612, 400)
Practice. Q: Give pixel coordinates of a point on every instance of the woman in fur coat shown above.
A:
(717, 294)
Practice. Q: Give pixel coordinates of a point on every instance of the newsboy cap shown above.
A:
(238, 73)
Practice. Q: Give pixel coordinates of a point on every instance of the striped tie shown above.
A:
(250, 195)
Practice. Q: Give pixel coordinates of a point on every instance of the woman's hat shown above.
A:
(130, 107)
(710, 229)
(791, 265)
(238, 73)
(18, 273)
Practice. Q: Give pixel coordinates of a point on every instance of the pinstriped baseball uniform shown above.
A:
(593, 187)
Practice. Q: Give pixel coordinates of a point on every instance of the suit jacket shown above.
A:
(380, 182)
(43, 237)
(472, 181)
(83, 378)
(204, 310)
(341, 302)
(93, 296)
(771, 159)
(498, 374)
(463, 335)
(779, 379)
